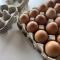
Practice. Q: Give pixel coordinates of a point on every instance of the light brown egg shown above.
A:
(57, 20)
(51, 13)
(41, 19)
(24, 18)
(42, 8)
(58, 38)
(41, 36)
(32, 26)
(50, 3)
(52, 28)
(33, 13)
(52, 49)
(57, 7)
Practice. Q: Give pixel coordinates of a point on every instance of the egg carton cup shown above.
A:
(38, 46)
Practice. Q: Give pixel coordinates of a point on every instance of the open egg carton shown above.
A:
(8, 14)
(42, 26)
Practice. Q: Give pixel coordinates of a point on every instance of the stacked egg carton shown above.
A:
(42, 26)
(7, 17)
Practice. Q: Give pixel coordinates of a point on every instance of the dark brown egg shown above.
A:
(50, 3)
(57, 7)
(41, 19)
(12, 9)
(24, 18)
(57, 20)
(32, 26)
(51, 13)
(41, 36)
(33, 13)
(42, 8)
(4, 7)
(58, 38)
(52, 28)
(52, 49)
(56, 1)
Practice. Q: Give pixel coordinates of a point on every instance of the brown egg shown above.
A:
(42, 8)
(51, 13)
(41, 19)
(41, 36)
(58, 38)
(57, 20)
(24, 18)
(52, 49)
(33, 13)
(32, 26)
(57, 7)
(56, 1)
(52, 28)
(50, 3)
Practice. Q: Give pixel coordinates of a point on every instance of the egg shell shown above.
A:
(52, 28)
(24, 18)
(50, 3)
(57, 20)
(42, 8)
(33, 12)
(51, 13)
(41, 19)
(41, 36)
(32, 27)
(52, 49)
(57, 7)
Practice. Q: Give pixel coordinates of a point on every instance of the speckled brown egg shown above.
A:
(32, 26)
(57, 7)
(57, 20)
(52, 28)
(41, 19)
(42, 8)
(50, 3)
(24, 18)
(52, 49)
(41, 36)
(58, 38)
(51, 13)
(33, 13)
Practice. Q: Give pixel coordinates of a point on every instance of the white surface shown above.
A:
(14, 46)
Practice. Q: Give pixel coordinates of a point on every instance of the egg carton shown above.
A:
(38, 46)
(4, 9)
